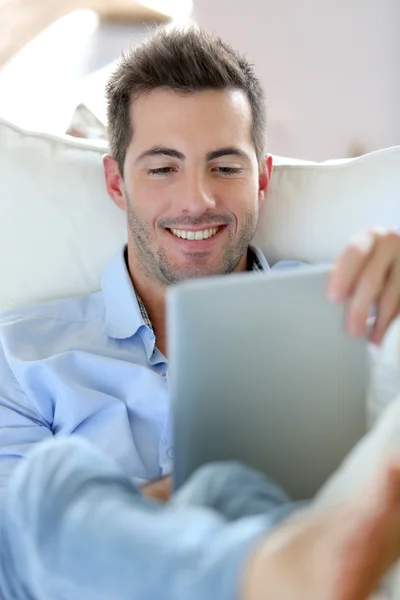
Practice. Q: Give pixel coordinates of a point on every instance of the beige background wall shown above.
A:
(331, 69)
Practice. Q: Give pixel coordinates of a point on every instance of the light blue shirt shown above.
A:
(87, 366)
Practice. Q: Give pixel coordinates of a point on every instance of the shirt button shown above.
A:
(170, 453)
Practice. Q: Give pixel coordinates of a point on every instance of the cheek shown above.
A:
(149, 208)
(155, 198)
(140, 217)
(239, 195)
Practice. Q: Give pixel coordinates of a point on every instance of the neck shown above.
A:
(153, 296)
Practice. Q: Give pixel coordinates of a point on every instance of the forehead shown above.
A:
(200, 120)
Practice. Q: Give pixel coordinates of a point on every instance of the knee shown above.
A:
(50, 474)
(219, 475)
(213, 483)
(230, 475)
(53, 457)
(232, 489)
(208, 484)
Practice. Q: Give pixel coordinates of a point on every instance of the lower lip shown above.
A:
(200, 245)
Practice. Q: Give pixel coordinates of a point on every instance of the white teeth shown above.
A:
(195, 235)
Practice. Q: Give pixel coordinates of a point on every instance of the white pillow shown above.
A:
(59, 228)
(313, 209)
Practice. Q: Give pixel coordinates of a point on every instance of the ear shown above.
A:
(264, 178)
(114, 181)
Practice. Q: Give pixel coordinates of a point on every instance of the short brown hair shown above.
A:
(184, 60)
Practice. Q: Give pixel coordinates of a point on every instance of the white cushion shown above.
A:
(59, 228)
(313, 209)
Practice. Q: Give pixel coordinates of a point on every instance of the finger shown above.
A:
(371, 285)
(160, 489)
(388, 307)
(349, 265)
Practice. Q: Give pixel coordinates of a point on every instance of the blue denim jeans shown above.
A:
(74, 527)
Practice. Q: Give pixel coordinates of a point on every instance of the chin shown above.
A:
(178, 275)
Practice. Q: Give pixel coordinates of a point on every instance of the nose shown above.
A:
(197, 197)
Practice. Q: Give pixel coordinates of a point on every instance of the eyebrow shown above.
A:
(214, 154)
(160, 151)
(229, 151)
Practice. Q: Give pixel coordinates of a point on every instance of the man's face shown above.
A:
(192, 185)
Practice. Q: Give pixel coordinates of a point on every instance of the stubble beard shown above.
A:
(158, 267)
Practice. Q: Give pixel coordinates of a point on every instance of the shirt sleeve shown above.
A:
(21, 426)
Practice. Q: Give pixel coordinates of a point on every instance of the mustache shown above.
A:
(205, 219)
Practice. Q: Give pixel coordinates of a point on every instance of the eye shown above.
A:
(228, 170)
(160, 171)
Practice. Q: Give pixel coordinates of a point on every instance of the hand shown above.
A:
(161, 489)
(367, 274)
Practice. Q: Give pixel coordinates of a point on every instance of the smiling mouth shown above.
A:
(197, 236)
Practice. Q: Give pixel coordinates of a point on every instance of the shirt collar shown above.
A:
(259, 261)
(123, 315)
(125, 311)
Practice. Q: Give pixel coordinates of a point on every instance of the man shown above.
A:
(187, 138)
